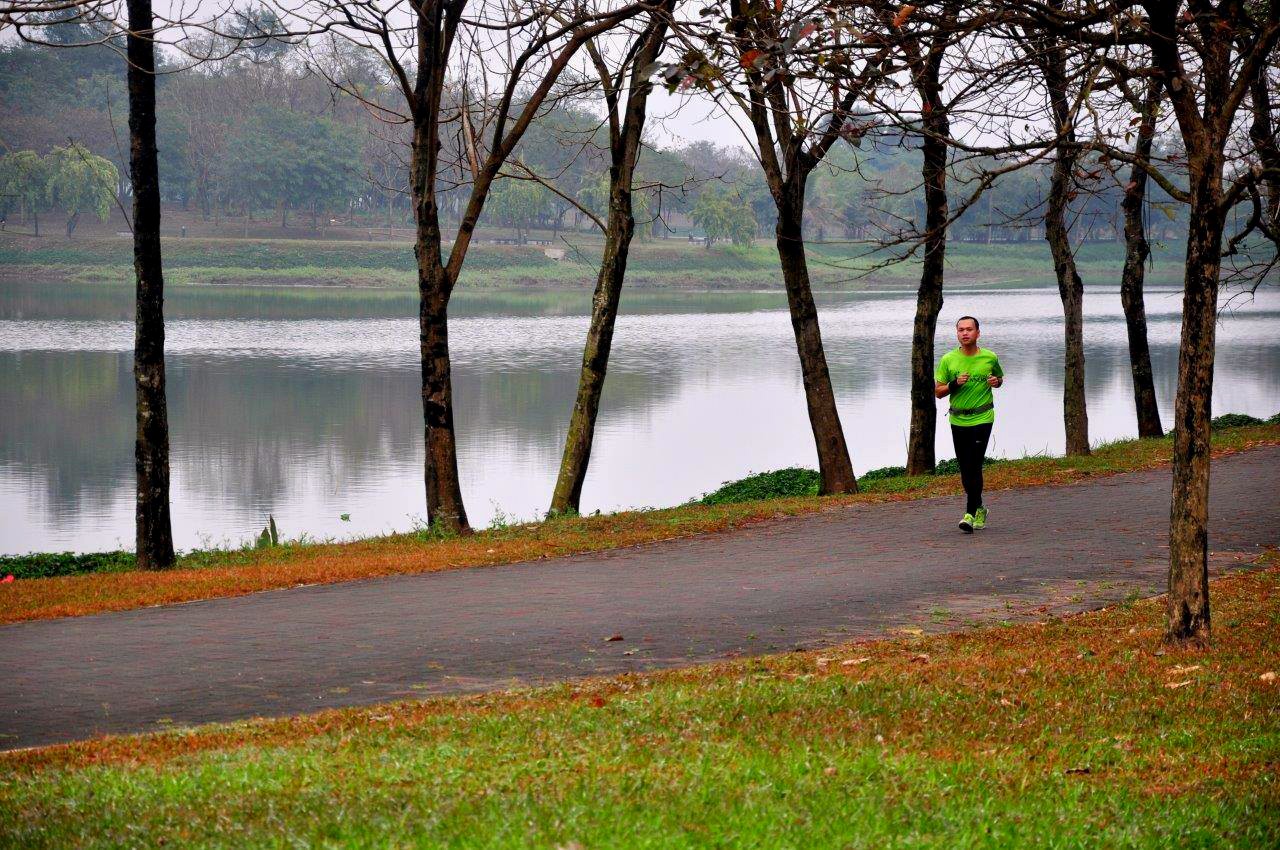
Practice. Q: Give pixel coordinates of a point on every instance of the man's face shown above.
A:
(967, 332)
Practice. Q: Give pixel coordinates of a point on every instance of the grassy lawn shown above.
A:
(208, 575)
(653, 264)
(1070, 732)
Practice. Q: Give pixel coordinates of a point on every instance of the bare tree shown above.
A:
(151, 446)
(1137, 250)
(926, 54)
(626, 120)
(1209, 58)
(794, 76)
(1228, 44)
(154, 529)
(485, 77)
(1049, 52)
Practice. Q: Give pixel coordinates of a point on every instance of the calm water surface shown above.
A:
(307, 406)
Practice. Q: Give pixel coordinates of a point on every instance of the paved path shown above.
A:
(803, 581)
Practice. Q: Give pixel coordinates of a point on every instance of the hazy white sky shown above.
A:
(678, 119)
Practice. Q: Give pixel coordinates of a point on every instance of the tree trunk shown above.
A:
(1132, 278)
(1071, 290)
(151, 447)
(284, 211)
(828, 436)
(1188, 603)
(445, 510)
(595, 355)
(1052, 62)
(625, 138)
(924, 406)
(1263, 136)
(440, 473)
(35, 219)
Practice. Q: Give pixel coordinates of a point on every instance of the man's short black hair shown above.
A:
(970, 318)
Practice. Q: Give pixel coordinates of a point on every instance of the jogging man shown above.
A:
(968, 374)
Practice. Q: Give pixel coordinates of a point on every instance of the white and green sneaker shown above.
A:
(980, 519)
(966, 524)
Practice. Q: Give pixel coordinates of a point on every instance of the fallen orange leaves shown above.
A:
(985, 664)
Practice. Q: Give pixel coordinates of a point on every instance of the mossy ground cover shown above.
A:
(206, 575)
(1070, 732)
(652, 264)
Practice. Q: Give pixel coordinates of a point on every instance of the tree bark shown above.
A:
(924, 406)
(1071, 291)
(1133, 276)
(1188, 601)
(624, 148)
(1263, 136)
(1188, 616)
(154, 532)
(1070, 288)
(824, 418)
(567, 495)
(445, 510)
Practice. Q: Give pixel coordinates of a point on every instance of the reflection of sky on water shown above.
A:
(310, 419)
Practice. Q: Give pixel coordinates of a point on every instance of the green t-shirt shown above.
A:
(974, 393)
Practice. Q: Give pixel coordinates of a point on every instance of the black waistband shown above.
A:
(971, 411)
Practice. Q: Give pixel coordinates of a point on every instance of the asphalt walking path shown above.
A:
(798, 582)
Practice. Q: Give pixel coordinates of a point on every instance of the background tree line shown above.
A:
(259, 134)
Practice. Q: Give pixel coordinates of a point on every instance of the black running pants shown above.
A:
(971, 450)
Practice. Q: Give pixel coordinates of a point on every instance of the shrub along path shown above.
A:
(847, 572)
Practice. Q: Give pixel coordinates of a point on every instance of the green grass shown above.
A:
(653, 264)
(779, 484)
(1239, 420)
(798, 481)
(49, 564)
(1067, 733)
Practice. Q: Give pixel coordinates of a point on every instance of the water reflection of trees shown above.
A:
(251, 433)
(67, 422)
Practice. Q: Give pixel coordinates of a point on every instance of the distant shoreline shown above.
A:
(662, 265)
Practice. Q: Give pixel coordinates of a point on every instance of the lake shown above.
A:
(305, 404)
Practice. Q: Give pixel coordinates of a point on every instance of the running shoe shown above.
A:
(966, 524)
(980, 519)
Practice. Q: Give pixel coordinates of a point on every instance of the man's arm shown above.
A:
(941, 390)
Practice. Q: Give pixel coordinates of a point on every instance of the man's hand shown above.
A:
(994, 381)
(962, 379)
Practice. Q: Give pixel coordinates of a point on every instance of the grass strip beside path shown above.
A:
(1069, 732)
(247, 571)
